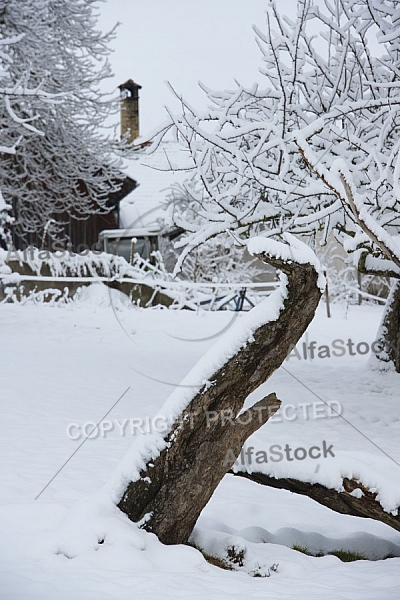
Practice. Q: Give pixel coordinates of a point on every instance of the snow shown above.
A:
(236, 337)
(66, 262)
(3, 205)
(98, 294)
(294, 251)
(155, 174)
(70, 364)
(339, 168)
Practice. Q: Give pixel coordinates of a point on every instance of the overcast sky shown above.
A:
(183, 42)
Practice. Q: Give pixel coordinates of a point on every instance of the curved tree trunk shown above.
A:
(178, 482)
(342, 502)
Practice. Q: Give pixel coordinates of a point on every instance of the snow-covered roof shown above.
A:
(155, 173)
(130, 232)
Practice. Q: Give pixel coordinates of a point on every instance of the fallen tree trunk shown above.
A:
(178, 480)
(342, 502)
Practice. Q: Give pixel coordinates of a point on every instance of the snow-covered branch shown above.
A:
(266, 158)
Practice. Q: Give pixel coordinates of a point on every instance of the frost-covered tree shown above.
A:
(218, 260)
(62, 161)
(12, 126)
(317, 148)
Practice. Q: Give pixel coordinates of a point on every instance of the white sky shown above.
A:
(184, 42)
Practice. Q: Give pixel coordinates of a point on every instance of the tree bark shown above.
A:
(389, 331)
(342, 502)
(177, 484)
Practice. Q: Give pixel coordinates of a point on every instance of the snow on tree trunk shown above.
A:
(389, 332)
(175, 478)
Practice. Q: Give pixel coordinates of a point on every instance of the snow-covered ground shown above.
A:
(67, 366)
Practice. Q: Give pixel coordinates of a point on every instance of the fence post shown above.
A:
(132, 255)
(328, 307)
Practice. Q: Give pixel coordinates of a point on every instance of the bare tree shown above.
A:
(218, 260)
(13, 127)
(318, 148)
(63, 161)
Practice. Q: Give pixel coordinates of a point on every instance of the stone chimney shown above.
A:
(130, 109)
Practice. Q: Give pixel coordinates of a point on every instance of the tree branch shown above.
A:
(343, 502)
